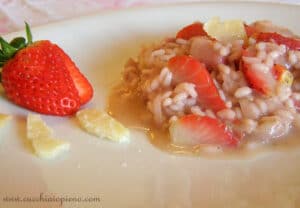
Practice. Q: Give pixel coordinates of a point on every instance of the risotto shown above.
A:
(218, 84)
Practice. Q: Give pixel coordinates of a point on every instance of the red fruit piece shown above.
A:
(37, 78)
(191, 130)
(250, 30)
(262, 81)
(297, 104)
(188, 69)
(192, 30)
(83, 86)
(278, 70)
(40, 76)
(202, 49)
(291, 43)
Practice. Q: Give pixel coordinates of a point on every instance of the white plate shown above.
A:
(137, 174)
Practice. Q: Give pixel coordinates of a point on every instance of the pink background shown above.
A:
(13, 13)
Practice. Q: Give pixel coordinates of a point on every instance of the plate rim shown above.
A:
(114, 11)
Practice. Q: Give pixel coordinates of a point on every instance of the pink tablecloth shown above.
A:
(13, 13)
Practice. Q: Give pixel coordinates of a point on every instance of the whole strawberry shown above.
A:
(41, 77)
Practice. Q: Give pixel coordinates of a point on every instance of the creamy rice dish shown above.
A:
(220, 83)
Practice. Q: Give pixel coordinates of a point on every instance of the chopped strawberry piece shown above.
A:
(203, 49)
(278, 70)
(188, 69)
(262, 81)
(191, 130)
(297, 104)
(256, 79)
(291, 43)
(264, 36)
(189, 31)
(250, 30)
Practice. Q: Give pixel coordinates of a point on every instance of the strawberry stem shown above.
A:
(8, 50)
(28, 34)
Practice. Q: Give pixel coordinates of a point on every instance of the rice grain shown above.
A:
(242, 92)
(226, 114)
(158, 52)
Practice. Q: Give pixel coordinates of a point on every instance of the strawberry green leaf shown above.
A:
(28, 33)
(3, 58)
(18, 42)
(8, 50)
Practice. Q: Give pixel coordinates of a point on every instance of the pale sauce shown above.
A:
(130, 109)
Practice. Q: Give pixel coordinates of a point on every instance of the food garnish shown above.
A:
(43, 143)
(41, 77)
(101, 124)
(228, 30)
(4, 118)
(49, 148)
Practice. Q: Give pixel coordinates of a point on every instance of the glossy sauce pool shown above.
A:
(130, 109)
